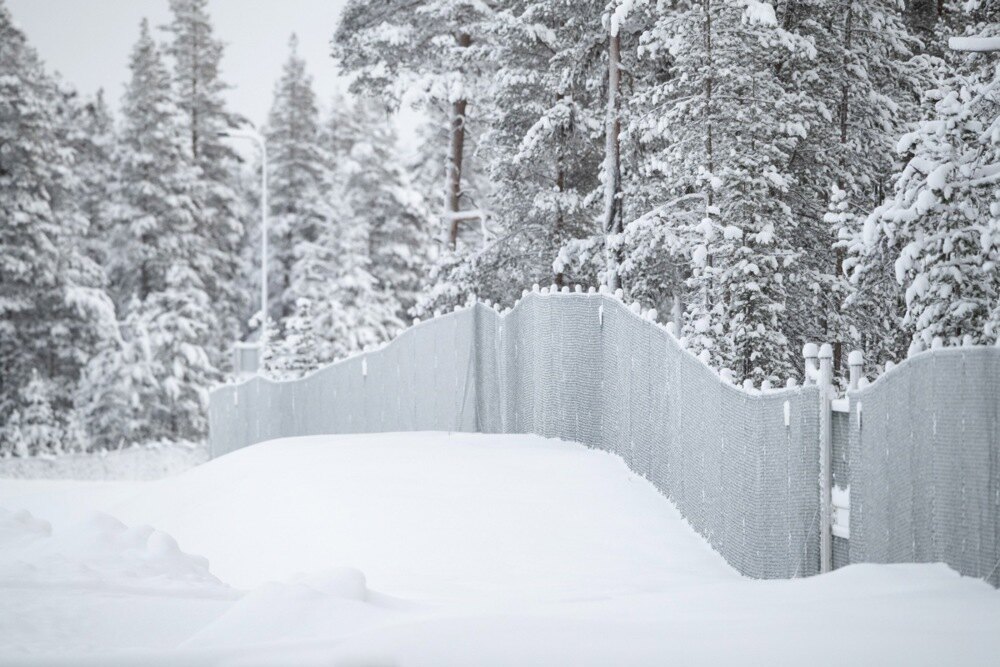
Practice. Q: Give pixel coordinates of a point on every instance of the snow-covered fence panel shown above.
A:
(917, 453)
(423, 380)
(924, 457)
(580, 367)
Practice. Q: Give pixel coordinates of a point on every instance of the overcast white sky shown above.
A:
(89, 41)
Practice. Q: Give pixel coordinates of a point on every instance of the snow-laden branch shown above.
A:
(975, 44)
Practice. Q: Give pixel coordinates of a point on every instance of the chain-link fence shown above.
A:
(742, 467)
(924, 457)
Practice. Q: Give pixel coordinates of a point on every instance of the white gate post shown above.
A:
(856, 362)
(825, 458)
(809, 351)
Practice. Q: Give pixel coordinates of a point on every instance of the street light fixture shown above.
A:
(256, 137)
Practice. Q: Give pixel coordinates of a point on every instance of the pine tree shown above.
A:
(859, 87)
(351, 312)
(197, 57)
(390, 47)
(117, 391)
(943, 220)
(156, 216)
(726, 132)
(175, 320)
(158, 273)
(542, 150)
(53, 312)
(299, 351)
(91, 134)
(378, 192)
(299, 176)
(39, 428)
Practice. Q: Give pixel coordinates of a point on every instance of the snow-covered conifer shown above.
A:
(298, 351)
(176, 320)
(943, 219)
(377, 191)
(299, 175)
(53, 310)
(197, 56)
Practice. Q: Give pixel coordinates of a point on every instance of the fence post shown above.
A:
(809, 351)
(825, 458)
(856, 361)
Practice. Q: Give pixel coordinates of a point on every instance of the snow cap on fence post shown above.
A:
(810, 352)
(856, 362)
(826, 367)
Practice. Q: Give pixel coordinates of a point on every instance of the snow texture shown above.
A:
(433, 549)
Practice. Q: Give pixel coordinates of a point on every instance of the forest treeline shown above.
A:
(763, 174)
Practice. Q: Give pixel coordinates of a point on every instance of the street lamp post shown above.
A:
(258, 138)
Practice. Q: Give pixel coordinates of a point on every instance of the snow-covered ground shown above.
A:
(433, 549)
(149, 461)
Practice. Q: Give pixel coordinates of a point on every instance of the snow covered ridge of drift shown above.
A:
(99, 552)
(475, 550)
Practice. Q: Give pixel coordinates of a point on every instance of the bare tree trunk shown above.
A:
(709, 148)
(453, 193)
(612, 164)
(845, 104)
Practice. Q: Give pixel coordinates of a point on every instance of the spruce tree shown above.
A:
(727, 130)
(299, 176)
(299, 350)
(176, 321)
(115, 398)
(158, 275)
(54, 311)
(377, 191)
(942, 223)
(156, 213)
(41, 432)
(197, 55)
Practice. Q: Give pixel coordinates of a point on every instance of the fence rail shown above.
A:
(744, 467)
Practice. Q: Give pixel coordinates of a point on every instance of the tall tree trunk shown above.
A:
(612, 160)
(845, 106)
(709, 147)
(456, 154)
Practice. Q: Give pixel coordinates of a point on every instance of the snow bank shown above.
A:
(434, 549)
(99, 552)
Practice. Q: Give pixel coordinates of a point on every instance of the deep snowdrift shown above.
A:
(430, 549)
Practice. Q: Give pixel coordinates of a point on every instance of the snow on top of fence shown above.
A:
(614, 298)
(650, 316)
(918, 352)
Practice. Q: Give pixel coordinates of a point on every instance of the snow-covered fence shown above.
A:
(742, 465)
(923, 450)
(424, 380)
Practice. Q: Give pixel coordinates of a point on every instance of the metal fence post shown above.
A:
(825, 458)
